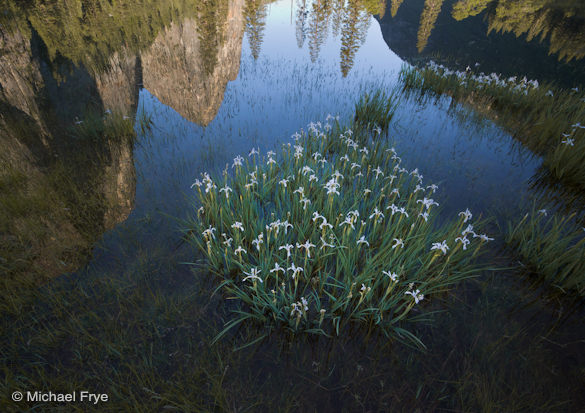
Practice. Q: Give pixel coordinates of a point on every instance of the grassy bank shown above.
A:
(551, 123)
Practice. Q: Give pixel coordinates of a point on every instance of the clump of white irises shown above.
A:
(514, 84)
(302, 230)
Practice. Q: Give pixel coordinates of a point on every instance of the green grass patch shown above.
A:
(137, 334)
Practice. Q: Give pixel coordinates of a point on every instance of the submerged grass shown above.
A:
(137, 335)
(548, 120)
(553, 247)
(332, 233)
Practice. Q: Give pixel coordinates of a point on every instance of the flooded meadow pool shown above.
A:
(110, 111)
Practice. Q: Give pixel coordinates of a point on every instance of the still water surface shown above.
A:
(215, 81)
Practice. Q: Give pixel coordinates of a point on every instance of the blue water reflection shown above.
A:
(282, 90)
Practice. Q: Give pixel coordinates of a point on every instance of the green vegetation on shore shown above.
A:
(547, 120)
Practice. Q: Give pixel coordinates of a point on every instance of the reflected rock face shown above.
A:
(119, 184)
(119, 85)
(58, 194)
(118, 89)
(67, 171)
(20, 75)
(188, 66)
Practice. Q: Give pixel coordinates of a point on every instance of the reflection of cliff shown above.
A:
(61, 185)
(118, 89)
(89, 32)
(69, 82)
(20, 76)
(467, 31)
(118, 86)
(173, 68)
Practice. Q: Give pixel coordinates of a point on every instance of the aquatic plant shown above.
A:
(553, 247)
(376, 110)
(332, 232)
(547, 120)
(440, 79)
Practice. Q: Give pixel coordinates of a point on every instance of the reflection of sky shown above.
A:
(283, 91)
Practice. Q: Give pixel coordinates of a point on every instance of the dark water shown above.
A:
(213, 80)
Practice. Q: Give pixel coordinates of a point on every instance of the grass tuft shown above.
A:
(553, 247)
(376, 110)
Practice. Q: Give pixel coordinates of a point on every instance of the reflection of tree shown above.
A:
(562, 23)
(302, 13)
(377, 7)
(568, 41)
(466, 8)
(394, 7)
(519, 18)
(318, 27)
(543, 18)
(212, 17)
(427, 22)
(353, 31)
(255, 13)
(337, 16)
(352, 17)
